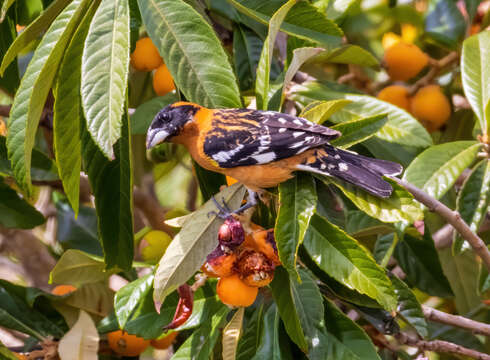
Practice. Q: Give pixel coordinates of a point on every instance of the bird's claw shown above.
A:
(223, 210)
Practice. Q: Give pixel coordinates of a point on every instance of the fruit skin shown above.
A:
(164, 342)
(231, 233)
(254, 268)
(431, 107)
(396, 95)
(390, 39)
(263, 241)
(125, 344)
(3, 127)
(219, 263)
(404, 61)
(63, 290)
(163, 82)
(145, 56)
(153, 245)
(232, 291)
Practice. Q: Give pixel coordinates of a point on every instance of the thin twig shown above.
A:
(440, 346)
(452, 217)
(436, 67)
(444, 318)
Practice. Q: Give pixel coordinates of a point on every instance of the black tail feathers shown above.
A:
(362, 171)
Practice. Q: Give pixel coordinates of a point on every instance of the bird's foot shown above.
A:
(224, 211)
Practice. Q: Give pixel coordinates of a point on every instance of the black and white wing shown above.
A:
(248, 137)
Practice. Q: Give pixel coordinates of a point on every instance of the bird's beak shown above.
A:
(155, 137)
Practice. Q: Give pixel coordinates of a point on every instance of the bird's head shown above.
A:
(169, 122)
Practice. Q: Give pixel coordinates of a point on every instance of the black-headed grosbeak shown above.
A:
(263, 148)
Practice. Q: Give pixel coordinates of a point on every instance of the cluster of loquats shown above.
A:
(125, 344)
(243, 262)
(403, 61)
(145, 57)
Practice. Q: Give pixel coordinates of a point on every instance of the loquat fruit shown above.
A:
(153, 245)
(403, 61)
(145, 56)
(232, 291)
(431, 107)
(396, 95)
(3, 127)
(125, 344)
(164, 342)
(63, 290)
(389, 39)
(219, 263)
(255, 269)
(163, 82)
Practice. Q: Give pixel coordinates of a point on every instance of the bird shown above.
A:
(262, 149)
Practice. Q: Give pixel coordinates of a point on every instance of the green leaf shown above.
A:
(347, 54)
(319, 111)
(78, 268)
(360, 224)
(270, 347)
(303, 21)
(144, 114)
(357, 131)
(436, 169)
(112, 183)
(401, 127)
(285, 296)
(348, 333)
(338, 9)
(473, 201)
(462, 272)
(400, 206)
(189, 248)
(209, 181)
(3, 10)
(384, 247)
(444, 22)
(252, 334)
(42, 169)
(128, 298)
(475, 73)
(67, 113)
(262, 85)
(77, 232)
(297, 198)
(34, 88)
(16, 212)
(6, 354)
(408, 307)
(105, 64)
(9, 80)
(343, 258)
(32, 31)
(418, 259)
(192, 53)
(200, 344)
(247, 46)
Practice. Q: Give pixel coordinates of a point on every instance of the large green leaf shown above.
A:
(200, 344)
(112, 184)
(34, 88)
(3, 10)
(436, 169)
(347, 54)
(297, 198)
(418, 259)
(475, 73)
(67, 113)
(444, 22)
(16, 212)
(144, 114)
(400, 206)
(262, 81)
(128, 298)
(9, 80)
(357, 131)
(284, 296)
(252, 334)
(350, 335)
(462, 272)
(197, 238)
(409, 308)
(270, 347)
(343, 258)
(473, 201)
(401, 127)
(319, 111)
(303, 21)
(247, 46)
(32, 31)
(192, 53)
(78, 268)
(105, 66)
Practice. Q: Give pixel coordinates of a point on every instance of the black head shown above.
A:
(169, 122)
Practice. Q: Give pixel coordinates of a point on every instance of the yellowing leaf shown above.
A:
(81, 342)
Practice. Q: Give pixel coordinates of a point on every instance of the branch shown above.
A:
(440, 346)
(436, 67)
(452, 217)
(441, 317)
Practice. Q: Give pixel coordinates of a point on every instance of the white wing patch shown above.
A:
(224, 156)
(264, 158)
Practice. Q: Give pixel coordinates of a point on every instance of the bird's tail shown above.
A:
(364, 172)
